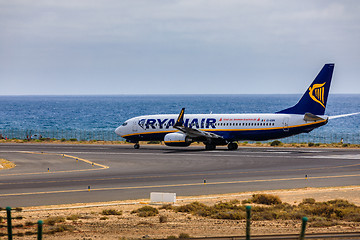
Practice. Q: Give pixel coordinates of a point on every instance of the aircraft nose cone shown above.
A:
(118, 131)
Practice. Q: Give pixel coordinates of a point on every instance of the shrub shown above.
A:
(311, 144)
(163, 219)
(63, 140)
(166, 206)
(323, 223)
(275, 143)
(266, 199)
(308, 201)
(73, 217)
(111, 212)
(29, 223)
(52, 220)
(153, 142)
(61, 228)
(184, 235)
(146, 211)
(18, 209)
(192, 207)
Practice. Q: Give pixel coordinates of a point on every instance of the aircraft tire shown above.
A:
(232, 146)
(210, 146)
(137, 146)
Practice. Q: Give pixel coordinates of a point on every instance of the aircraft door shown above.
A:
(286, 124)
(134, 126)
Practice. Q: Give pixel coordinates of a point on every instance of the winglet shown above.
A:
(180, 119)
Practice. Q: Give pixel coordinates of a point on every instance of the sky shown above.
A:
(87, 47)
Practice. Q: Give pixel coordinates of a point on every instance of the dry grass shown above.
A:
(146, 211)
(270, 207)
(111, 212)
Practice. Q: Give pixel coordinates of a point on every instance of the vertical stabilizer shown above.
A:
(315, 98)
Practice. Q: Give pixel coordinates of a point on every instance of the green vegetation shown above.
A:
(154, 142)
(146, 211)
(111, 212)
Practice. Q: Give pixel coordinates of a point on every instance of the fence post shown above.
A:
(9, 226)
(248, 215)
(40, 230)
(303, 228)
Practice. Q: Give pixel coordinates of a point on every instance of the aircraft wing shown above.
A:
(191, 132)
(343, 115)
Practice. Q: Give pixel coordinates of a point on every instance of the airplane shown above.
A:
(227, 129)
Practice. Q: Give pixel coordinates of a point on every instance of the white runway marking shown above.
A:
(345, 156)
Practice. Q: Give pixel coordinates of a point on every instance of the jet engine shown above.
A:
(177, 139)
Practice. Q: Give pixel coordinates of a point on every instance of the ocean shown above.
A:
(96, 117)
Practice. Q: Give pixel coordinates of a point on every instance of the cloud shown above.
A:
(192, 41)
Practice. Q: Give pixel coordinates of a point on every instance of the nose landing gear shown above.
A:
(137, 146)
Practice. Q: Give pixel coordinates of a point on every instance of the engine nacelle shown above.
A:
(176, 139)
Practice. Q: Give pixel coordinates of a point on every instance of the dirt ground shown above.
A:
(89, 223)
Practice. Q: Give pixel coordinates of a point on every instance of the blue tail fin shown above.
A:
(315, 98)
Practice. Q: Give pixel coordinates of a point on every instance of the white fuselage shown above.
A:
(231, 127)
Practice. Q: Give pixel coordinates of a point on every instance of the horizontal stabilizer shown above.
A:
(312, 117)
(343, 115)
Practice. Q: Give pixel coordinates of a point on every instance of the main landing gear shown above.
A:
(232, 146)
(137, 146)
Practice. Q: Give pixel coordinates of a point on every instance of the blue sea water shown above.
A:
(54, 115)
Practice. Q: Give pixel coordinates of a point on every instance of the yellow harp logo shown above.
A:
(316, 92)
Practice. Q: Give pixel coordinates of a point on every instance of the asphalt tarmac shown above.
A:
(49, 174)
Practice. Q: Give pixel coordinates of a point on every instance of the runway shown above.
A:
(48, 174)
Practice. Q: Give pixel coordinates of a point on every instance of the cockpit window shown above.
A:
(124, 124)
